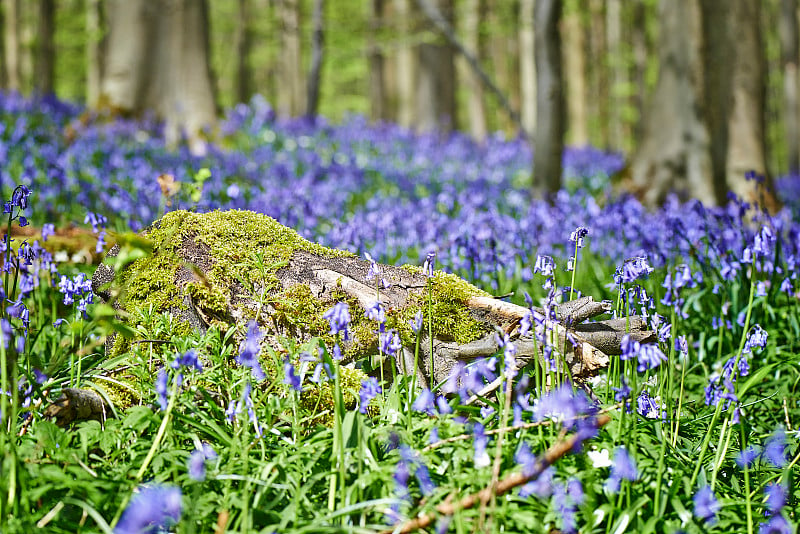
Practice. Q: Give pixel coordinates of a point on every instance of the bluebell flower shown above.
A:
(442, 406)
(369, 390)
(153, 508)
(339, 318)
(757, 338)
(428, 265)
(776, 448)
(541, 486)
(390, 342)
(706, 505)
(526, 459)
(434, 436)
(424, 402)
(161, 388)
(249, 350)
(197, 462)
(650, 356)
(622, 468)
(777, 524)
(376, 312)
(786, 286)
(48, 229)
(545, 265)
(375, 272)
(622, 392)
(416, 322)
(97, 221)
(565, 508)
(646, 406)
(775, 493)
(426, 485)
(577, 235)
(633, 269)
(291, 378)
(746, 457)
(188, 360)
(480, 440)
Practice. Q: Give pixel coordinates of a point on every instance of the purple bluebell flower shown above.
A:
(622, 392)
(249, 350)
(197, 462)
(426, 485)
(97, 221)
(390, 342)
(486, 411)
(777, 524)
(746, 457)
(416, 322)
(428, 265)
(630, 348)
(339, 318)
(48, 229)
(6, 332)
(756, 339)
(622, 468)
(442, 406)
(153, 508)
(376, 312)
(375, 272)
(291, 378)
(650, 356)
(706, 505)
(541, 487)
(776, 497)
(188, 360)
(646, 406)
(434, 437)
(545, 265)
(424, 402)
(480, 440)
(633, 269)
(761, 289)
(369, 390)
(786, 286)
(776, 447)
(161, 388)
(565, 507)
(577, 236)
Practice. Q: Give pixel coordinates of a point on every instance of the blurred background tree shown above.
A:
(693, 92)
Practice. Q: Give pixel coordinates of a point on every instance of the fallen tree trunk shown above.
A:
(225, 268)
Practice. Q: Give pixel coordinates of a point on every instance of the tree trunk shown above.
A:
(244, 42)
(598, 74)
(405, 65)
(746, 145)
(790, 58)
(575, 78)
(640, 55)
(290, 88)
(45, 51)
(616, 68)
(94, 51)
(717, 60)
(377, 82)
(527, 66)
(674, 154)
(11, 35)
(549, 136)
(158, 59)
(476, 110)
(435, 103)
(317, 42)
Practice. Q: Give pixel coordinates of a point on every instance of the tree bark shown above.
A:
(617, 76)
(406, 67)
(790, 58)
(575, 79)
(717, 60)
(597, 73)
(45, 50)
(434, 103)
(674, 154)
(11, 20)
(549, 137)
(640, 54)
(746, 141)
(94, 51)
(317, 43)
(290, 88)
(527, 66)
(158, 59)
(244, 43)
(377, 82)
(476, 110)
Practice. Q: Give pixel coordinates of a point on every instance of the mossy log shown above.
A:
(231, 267)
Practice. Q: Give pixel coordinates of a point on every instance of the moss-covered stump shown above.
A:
(233, 266)
(228, 268)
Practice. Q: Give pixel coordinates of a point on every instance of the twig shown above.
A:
(503, 486)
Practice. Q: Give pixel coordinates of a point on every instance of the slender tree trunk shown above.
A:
(717, 61)
(575, 79)
(549, 137)
(45, 51)
(476, 110)
(406, 71)
(317, 43)
(527, 66)
(435, 104)
(674, 154)
(746, 146)
(377, 82)
(640, 54)
(598, 74)
(244, 42)
(790, 58)
(290, 88)
(94, 51)
(617, 75)
(11, 20)
(158, 59)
